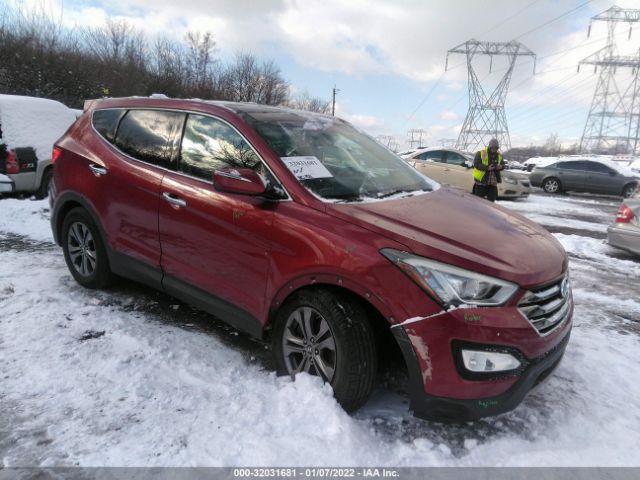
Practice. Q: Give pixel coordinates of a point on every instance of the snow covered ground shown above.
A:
(131, 377)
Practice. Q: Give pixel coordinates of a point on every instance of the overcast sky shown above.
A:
(387, 58)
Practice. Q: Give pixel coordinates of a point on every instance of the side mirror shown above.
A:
(243, 181)
(468, 164)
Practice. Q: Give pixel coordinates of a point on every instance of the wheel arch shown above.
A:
(64, 204)
(378, 314)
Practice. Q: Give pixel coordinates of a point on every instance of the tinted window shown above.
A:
(106, 122)
(434, 156)
(150, 135)
(569, 165)
(455, 158)
(209, 145)
(597, 167)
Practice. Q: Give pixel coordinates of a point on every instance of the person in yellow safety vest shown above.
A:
(487, 166)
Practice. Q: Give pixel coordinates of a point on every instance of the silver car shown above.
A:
(585, 175)
(625, 232)
(453, 167)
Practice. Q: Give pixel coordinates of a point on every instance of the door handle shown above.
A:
(97, 169)
(173, 200)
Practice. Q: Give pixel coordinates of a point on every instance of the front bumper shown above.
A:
(440, 391)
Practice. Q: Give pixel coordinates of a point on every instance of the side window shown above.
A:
(597, 167)
(454, 158)
(570, 165)
(209, 144)
(433, 156)
(150, 136)
(106, 122)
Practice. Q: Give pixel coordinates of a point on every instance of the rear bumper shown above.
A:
(624, 238)
(445, 409)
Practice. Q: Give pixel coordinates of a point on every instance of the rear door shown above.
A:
(602, 179)
(215, 245)
(124, 182)
(457, 173)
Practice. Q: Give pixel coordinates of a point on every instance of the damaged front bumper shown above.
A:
(471, 397)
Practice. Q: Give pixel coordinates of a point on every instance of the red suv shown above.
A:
(299, 228)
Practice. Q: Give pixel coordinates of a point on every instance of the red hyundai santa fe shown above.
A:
(298, 228)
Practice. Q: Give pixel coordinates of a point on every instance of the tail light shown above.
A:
(55, 155)
(11, 163)
(625, 214)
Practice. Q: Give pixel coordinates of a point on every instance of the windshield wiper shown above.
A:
(402, 190)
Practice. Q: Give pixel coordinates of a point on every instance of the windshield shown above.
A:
(334, 160)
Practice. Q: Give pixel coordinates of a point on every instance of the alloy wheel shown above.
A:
(308, 345)
(82, 249)
(551, 186)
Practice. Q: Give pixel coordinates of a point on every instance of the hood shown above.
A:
(463, 230)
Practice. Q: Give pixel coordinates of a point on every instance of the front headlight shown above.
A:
(449, 285)
(511, 180)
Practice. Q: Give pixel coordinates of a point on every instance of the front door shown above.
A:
(215, 245)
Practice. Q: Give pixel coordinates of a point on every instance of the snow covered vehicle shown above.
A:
(28, 129)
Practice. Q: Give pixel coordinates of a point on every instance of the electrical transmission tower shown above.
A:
(486, 118)
(614, 117)
(415, 137)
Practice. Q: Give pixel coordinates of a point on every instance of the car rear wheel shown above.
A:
(629, 190)
(552, 185)
(84, 250)
(43, 189)
(327, 334)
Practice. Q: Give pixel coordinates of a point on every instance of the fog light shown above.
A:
(479, 361)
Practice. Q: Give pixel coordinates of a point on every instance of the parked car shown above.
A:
(453, 167)
(585, 175)
(625, 232)
(6, 184)
(298, 228)
(28, 128)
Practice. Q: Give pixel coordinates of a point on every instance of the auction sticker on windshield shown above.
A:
(306, 168)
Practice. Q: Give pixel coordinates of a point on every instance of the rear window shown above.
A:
(151, 136)
(106, 122)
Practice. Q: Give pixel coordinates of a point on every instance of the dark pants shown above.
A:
(490, 192)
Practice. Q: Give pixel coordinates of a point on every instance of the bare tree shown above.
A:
(304, 101)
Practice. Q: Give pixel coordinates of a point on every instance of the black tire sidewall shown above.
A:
(352, 364)
(101, 276)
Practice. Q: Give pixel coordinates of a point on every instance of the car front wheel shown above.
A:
(84, 250)
(629, 190)
(327, 334)
(551, 185)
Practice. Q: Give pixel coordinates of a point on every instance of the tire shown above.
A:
(348, 361)
(43, 189)
(84, 250)
(552, 185)
(629, 190)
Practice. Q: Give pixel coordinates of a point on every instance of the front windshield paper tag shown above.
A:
(306, 168)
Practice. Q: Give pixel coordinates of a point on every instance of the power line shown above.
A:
(509, 18)
(582, 5)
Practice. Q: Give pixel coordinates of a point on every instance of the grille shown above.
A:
(548, 307)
